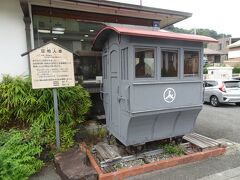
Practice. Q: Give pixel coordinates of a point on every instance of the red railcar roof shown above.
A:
(130, 31)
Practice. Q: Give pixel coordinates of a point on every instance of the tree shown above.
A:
(204, 32)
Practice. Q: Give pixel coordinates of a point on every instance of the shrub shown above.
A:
(236, 70)
(173, 149)
(22, 106)
(205, 70)
(18, 152)
(14, 99)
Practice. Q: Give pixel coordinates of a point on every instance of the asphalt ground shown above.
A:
(219, 122)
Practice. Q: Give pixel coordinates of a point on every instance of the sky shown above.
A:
(222, 16)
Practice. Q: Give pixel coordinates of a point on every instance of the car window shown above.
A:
(232, 84)
(211, 83)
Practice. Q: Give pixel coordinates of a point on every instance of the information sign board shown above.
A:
(51, 67)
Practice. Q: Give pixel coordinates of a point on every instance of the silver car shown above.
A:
(221, 91)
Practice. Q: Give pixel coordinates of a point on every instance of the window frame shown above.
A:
(124, 74)
(155, 63)
(179, 62)
(210, 82)
(105, 66)
(198, 75)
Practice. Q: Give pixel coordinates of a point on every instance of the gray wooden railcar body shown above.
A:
(136, 109)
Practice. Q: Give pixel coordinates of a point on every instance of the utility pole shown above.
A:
(195, 31)
(140, 2)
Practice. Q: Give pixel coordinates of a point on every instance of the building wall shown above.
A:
(234, 53)
(221, 46)
(219, 72)
(13, 39)
(233, 57)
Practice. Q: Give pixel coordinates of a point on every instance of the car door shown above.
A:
(208, 90)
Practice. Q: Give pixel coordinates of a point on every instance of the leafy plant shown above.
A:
(101, 132)
(173, 149)
(13, 100)
(23, 107)
(31, 111)
(66, 132)
(236, 70)
(18, 154)
(205, 70)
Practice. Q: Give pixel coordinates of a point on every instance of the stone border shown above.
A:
(163, 164)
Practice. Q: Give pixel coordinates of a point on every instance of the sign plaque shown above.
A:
(51, 67)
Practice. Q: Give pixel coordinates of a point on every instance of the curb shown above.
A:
(163, 164)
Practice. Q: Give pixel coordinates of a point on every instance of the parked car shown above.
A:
(221, 91)
(236, 78)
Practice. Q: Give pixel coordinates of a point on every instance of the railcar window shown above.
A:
(191, 63)
(169, 63)
(144, 62)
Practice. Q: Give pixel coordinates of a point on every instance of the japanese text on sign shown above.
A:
(51, 67)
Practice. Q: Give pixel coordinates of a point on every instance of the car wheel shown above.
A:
(238, 104)
(214, 101)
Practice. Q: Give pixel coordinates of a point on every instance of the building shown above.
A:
(213, 56)
(222, 46)
(233, 54)
(26, 24)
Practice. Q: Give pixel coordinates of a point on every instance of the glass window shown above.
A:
(211, 83)
(232, 84)
(191, 63)
(169, 63)
(74, 35)
(220, 46)
(144, 62)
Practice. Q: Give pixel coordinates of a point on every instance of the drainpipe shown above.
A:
(27, 21)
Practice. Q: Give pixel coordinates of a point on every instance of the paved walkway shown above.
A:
(232, 174)
(47, 173)
(208, 168)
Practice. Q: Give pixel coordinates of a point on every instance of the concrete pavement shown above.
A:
(232, 174)
(197, 170)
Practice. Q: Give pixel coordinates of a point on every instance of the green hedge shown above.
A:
(236, 70)
(19, 150)
(22, 106)
(27, 123)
